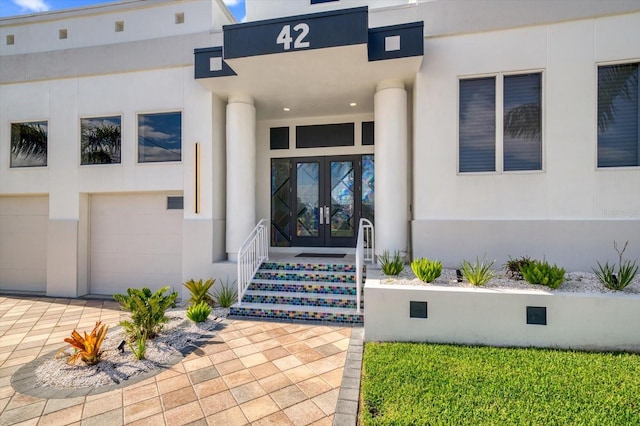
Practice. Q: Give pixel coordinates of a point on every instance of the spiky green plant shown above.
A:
(513, 266)
(426, 270)
(540, 272)
(226, 295)
(199, 312)
(627, 271)
(200, 291)
(479, 272)
(138, 345)
(147, 310)
(391, 265)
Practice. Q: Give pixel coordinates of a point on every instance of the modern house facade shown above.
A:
(140, 142)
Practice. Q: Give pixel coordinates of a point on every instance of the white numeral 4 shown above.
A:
(285, 39)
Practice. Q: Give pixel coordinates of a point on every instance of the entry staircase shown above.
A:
(302, 291)
(326, 292)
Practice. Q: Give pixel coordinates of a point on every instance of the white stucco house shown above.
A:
(141, 141)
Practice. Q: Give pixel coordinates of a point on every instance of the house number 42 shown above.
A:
(301, 32)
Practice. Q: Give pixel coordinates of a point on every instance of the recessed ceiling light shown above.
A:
(353, 104)
(286, 109)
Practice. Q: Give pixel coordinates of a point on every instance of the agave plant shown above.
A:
(86, 348)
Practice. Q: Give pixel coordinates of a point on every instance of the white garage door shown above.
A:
(23, 243)
(136, 241)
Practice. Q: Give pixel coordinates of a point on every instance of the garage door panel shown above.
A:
(23, 243)
(135, 242)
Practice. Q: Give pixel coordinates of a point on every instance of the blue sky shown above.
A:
(22, 7)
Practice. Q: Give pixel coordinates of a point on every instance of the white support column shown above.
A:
(241, 171)
(391, 150)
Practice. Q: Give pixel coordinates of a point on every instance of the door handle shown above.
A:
(321, 214)
(326, 213)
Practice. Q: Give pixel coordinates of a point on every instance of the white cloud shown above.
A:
(151, 133)
(32, 5)
(231, 3)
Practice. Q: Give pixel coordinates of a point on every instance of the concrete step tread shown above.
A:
(300, 294)
(297, 308)
(302, 282)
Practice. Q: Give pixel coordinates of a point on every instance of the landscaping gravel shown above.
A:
(575, 282)
(114, 366)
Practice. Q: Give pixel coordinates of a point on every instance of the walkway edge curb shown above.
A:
(347, 405)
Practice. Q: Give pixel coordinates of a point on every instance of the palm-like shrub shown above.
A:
(426, 270)
(391, 265)
(226, 295)
(540, 272)
(200, 291)
(199, 312)
(86, 348)
(147, 310)
(479, 272)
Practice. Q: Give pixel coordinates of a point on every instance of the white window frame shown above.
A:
(499, 122)
(137, 137)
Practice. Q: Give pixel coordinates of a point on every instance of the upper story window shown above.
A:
(323, 1)
(515, 101)
(159, 137)
(618, 116)
(100, 140)
(29, 144)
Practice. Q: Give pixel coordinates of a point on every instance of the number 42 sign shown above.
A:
(285, 38)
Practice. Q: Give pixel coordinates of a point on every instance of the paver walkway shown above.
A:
(250, 373)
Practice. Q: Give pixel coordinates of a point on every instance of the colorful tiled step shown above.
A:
(289, 266)
(301, 299)
(309, 313)
(314, 276)
(303, 287)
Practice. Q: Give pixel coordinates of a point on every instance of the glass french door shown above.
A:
(318, 201)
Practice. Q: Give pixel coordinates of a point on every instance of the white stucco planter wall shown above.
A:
(499, 317)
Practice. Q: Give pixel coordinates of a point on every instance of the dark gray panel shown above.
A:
(325, 135)
(417, 309)
(175, 203)
(203, 63)
(537, 315)
(411, 41)
(368, 135)
(279, 138)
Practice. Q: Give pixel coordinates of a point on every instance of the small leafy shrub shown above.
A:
(426, 270)
(86, 348)
(513, 267)
(198, 312)
(540, 272)
(479, 272)
(200, 291)
(626, 271)
(138, 345)
(226, 295)
(391, 265)
(147, 310)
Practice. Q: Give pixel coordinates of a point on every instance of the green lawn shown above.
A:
(422, 384)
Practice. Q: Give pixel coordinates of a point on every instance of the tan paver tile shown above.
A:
(333, 377)
(304, 413)
(142, 409)
(325, 421)
(254, 329)
(20, 400)
(177, 382)
(197, 363)
(258, 408)
(178, 397)
(245, 350)
(228, 367)
(275, 382)
(314, 342)
(218, 402)
(300, 373)
(155, 420)
(296, 347)
(224, 356)
(65, 416)
(240, 341)
(338, 359)
(183, 414)
(286, 397)
(328, 349)
(314, 386)
(23, 413)
(215, 347)
(327, 401)
(276, 419)
(309, 355)
(140, 393)
(260, 337)
(267, 344)
(103, 404)
(276, 353)
(321, 366)
(264, 370)
(253, 360)
(287, 362)
(231, 417)
(238, 378)
(210, 387)
(287, 339)
(247, 392)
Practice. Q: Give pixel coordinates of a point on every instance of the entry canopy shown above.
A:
(315, 65)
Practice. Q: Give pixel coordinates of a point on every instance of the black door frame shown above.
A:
(324, 238)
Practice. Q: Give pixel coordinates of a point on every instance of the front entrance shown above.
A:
(318, 201)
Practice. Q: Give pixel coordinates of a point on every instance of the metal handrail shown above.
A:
(252, 253)
(363, 254)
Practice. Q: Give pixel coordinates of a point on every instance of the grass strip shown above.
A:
(433, 384)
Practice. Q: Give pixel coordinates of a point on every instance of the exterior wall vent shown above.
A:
(119, 26)
(11, 39)
(180, 18)
(175, 203)
(62, 34)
